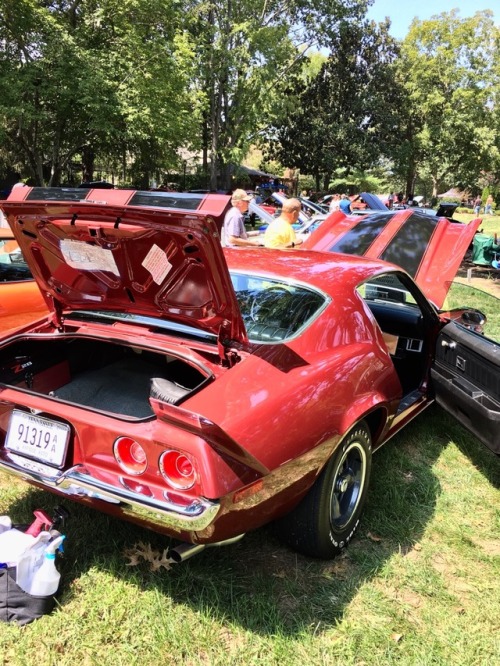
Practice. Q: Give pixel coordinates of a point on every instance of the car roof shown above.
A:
(331, 272)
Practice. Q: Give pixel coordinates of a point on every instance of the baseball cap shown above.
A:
(241, 195)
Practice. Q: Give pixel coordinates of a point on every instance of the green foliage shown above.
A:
(111, 75)
(357, 181)
(125, 83)
(347, 115)
(246, 52)
(449, 71)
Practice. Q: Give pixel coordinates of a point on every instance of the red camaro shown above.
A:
(204, 392)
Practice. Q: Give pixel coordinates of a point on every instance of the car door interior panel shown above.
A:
(466, 381)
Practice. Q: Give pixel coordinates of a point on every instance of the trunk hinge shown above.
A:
(56, 316)
(228, 354)
(231, 357)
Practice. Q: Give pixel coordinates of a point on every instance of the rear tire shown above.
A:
(325, 521)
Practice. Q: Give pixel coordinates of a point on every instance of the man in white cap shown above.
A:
(234, 232)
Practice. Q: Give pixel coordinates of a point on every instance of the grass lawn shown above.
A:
(490, 223)
(417, 586)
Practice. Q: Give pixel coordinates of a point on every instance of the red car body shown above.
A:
(204, 392)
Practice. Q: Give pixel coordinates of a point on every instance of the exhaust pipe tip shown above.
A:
(184, 551)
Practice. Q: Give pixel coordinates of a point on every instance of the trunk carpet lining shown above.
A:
(122, 387)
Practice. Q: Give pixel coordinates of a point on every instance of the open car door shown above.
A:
(466, 380)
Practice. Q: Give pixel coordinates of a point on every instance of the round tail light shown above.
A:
(177, 470)
(130, 455)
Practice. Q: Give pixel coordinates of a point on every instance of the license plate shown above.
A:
(37, 437)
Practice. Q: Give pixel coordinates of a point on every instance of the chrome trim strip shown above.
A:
(77, 481)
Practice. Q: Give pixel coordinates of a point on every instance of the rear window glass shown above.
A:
(272, 310)
(167, 200)
(409, 245)
(358, 239)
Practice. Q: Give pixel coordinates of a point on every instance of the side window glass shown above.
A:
(466, 305)
(386, 289)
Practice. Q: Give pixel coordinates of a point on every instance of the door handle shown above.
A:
(451, 345)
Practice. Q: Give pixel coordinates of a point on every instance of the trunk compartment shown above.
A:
(106, 376)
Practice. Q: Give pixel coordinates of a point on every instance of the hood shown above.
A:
(255, 209)
(373, 201)
(429, 248)
(150, 254)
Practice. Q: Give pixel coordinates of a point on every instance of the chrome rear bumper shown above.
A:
(76, 481)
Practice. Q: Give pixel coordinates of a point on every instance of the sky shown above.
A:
(402, 13)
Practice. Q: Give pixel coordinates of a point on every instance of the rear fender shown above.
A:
(362, 408)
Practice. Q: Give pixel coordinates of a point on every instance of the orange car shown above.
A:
(20, 298)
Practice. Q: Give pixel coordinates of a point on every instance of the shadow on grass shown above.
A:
(258, 584)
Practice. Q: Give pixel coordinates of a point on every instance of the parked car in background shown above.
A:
(310, 212)
(20, 298)
(428, 247)
(312, 208)
(204, 392)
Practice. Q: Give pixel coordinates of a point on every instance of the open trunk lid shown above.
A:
(126, 251)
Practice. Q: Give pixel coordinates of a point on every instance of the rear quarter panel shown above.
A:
(284, 400)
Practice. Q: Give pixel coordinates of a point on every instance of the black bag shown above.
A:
(16, 605)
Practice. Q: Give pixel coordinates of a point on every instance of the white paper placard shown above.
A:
(85, 257)
(157, 264)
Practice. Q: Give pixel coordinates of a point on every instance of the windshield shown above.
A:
(273, 310)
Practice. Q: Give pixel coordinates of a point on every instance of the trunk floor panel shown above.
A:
(122, 387)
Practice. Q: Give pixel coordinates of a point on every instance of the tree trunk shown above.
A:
(88, 158)
(205, 138)
(215, 104)
(435, 186)
(410, 179)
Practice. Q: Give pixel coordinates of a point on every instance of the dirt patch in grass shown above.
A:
(481, 277)
(489, 546)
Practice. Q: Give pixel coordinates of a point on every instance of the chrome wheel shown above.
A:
(348, 483)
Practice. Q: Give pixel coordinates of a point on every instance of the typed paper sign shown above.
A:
(85, 257)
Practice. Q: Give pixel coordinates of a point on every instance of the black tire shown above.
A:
(325, 521)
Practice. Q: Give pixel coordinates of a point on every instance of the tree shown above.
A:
(347, 116)
(447, 71)
(246, 51)
(92, 78)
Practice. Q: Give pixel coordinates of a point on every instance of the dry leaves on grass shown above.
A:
(403, 596)
(373, 537)
(340, 567)
(141, 552)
